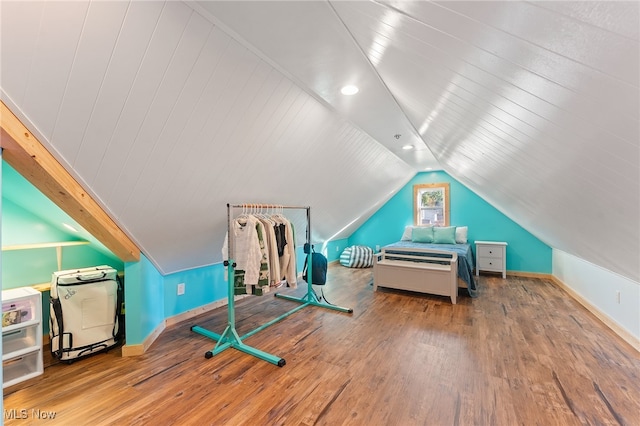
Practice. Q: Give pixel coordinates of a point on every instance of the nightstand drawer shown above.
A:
(490, 252)
(490, 264)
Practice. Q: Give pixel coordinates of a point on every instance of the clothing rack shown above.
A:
(230, 338)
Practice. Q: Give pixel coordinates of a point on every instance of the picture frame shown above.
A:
(431, 204)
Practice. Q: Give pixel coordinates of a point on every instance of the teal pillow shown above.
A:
(444, 235)
(422, 234)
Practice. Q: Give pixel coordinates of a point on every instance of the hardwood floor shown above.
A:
(522, 353)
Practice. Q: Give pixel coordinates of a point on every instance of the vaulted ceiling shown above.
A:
(167, 111)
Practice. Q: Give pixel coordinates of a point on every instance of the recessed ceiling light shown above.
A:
(407, 147)
(349, 90)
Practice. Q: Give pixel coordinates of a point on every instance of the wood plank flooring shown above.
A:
(522, 353)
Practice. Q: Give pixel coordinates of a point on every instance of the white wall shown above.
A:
(597, 288)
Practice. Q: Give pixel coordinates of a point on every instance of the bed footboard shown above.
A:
(421, 270)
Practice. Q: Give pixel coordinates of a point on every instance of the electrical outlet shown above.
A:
(337, 248)
(180, 289)
(618, 296)
(377, 248)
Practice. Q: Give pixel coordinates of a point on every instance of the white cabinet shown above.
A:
(491, 256)
(21, 335)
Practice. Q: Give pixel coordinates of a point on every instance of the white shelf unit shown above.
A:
(491, 256)
(21, 335)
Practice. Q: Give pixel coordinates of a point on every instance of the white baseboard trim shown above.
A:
(606, 320)
(136, 350)
(140, 349)
(530, 274)
(197, 311)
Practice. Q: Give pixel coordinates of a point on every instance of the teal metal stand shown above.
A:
(230, 338)
(310, 299)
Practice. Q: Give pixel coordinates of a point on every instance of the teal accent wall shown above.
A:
(28, 267)
(35, 266)
(334, 248)
(144, 299)
(202, 286)
(525, 252)
(46, 313)
(20, 226)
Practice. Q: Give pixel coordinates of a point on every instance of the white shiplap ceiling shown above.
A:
(168, 111)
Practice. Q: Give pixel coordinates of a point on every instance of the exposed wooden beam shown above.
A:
(23, 151)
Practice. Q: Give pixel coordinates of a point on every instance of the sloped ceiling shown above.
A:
(166, 112)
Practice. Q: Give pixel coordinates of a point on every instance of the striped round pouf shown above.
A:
(357, 257)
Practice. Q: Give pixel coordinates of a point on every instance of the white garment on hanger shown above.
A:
(246, 246)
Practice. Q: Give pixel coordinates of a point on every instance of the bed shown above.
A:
(424, 267)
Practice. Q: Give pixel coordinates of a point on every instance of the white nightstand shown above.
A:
(491, 256)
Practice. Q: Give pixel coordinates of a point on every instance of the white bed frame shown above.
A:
(401, 271)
